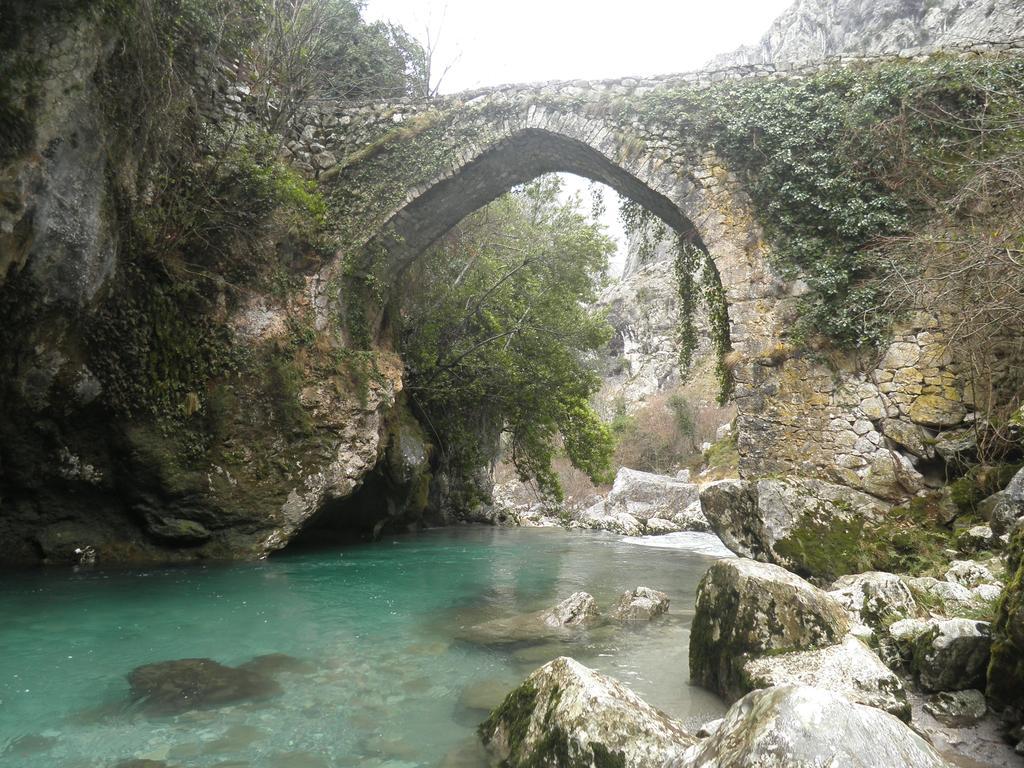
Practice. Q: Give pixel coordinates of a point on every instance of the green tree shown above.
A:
(324, 49)
(498, 337)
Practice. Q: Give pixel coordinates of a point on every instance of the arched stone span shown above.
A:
(401, 174)
(516, 160)
(497, 140)
(406, 173)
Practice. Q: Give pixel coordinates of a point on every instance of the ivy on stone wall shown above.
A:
(839, 161)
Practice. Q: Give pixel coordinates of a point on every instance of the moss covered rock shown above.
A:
(746, 609)
(1006, 669)
(809, 526)
(568, 716)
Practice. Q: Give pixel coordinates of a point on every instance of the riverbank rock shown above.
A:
(794, 726)
(1006, 672)
(566, 714)
(952, 655)
(577, 611)
(957, 708)
(645, 495)
(173, 687)
(848, 668)
(1004, 508)
(811, 527)
(747, 609)
(597, 518)
(641, 604)
(874, 599)
(645, 503)
(948, 598)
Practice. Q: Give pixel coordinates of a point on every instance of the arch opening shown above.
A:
(514, 161)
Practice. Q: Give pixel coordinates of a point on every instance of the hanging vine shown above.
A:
(697, 281)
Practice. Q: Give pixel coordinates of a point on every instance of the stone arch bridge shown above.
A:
(404, 172)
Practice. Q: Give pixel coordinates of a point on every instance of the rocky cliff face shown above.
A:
(817, 29)
(99, 455)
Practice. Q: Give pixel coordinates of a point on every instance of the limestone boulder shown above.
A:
(644, 495)
(809, 526)
(640, 604)
(848, 668)
(952, 655)
(957, 709)
(977, 538)
(1004, 508)
(795, 726)
(969, 574)
(746, 609)
(566, 714)
(658, 527)
(948, 598)
(692, 519)
(598, 518)
(874, 598)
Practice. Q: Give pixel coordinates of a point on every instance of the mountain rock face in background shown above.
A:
(818, 29)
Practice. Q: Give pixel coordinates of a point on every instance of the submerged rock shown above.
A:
(747, 609)
(849, 668)
(278, 663)
(172, 687)
(565, 714)
(577, 611)
(641, 604)
(793, 726)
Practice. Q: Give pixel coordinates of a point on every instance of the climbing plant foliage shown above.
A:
(839, 162)
(697, 282)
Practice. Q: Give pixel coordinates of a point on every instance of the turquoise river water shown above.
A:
(385, 680)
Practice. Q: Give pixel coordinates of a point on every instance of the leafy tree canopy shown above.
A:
(497, 331)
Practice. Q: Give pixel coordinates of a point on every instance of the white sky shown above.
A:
(488, 43)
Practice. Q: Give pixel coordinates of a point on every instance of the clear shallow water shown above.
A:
(389, 685)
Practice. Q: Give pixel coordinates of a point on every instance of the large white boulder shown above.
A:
(794, 726)
(566, 714)
(848, 668)
(645, 495)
